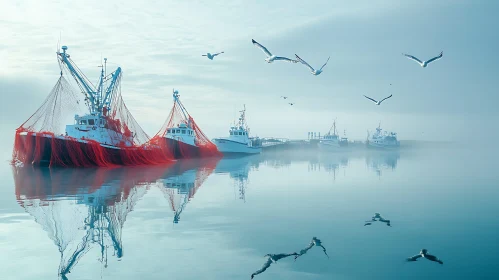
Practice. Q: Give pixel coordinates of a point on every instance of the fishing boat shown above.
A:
(382, 139)
(105, 134)
(180, 135)
(239, 141)
(332, 141)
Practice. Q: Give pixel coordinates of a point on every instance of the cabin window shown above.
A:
(178, 131)
(168, 131)
(91, 122)
(230, 132)
(183, 131)
(83, 122)
(240, 133)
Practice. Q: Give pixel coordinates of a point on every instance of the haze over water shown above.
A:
(444, 199)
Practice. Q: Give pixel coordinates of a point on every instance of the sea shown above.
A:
(219, 218)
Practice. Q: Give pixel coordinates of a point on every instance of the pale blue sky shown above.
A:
(159, 46)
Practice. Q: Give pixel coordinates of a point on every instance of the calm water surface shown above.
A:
(216, 219)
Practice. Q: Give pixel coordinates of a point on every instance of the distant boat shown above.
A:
(382, 139)
(332, 141)
(239, 141)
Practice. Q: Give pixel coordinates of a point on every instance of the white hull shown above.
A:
(382, 145)
(228, 146)
(328, 146)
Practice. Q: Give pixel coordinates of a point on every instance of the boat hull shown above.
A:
(383, 146)
(38, 151)
(226, 146)
(179, 149)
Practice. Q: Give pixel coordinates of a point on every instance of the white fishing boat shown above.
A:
(382, 139)
(332, 141)
(239, 141)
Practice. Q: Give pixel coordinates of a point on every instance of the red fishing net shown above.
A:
(181, 137)
(71, 129)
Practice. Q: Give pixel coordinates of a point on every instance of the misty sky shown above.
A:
(159, 47)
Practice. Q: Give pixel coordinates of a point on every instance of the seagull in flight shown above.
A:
(211, 56)
(314, 72)
(271, 258)
(270, 57)
(378, 102)
(291, 104)
(424, 254)
(424, 63)
(284, 97)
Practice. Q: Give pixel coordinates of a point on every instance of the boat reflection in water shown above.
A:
(238, 169)
(386, 160)
(82, 208)
(182, 180)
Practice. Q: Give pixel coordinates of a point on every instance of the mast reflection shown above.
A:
(82, 208)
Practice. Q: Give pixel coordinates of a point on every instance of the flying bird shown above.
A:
(284, 97)
(378, 102)
(314, 72)
(424, 254)
(270, 57)
(211, 56)
(291, 104)
(271, 258)
(424, 63)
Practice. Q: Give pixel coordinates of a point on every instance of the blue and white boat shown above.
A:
(239, 141)
(382, 139)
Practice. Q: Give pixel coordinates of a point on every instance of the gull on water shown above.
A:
(314, 72)
(271, 258)
(424, 254)
(314, 242)
(424, 63)
(211, 56)
(378, 102)
(270, 57)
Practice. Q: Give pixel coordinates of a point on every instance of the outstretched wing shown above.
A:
(380, 102)
(324, 249)
(325, 63)
(204, 55)
(264, 267)
(413, 58)
(304, 63)
(371, 99)
(218, 53)
(264, 49)
(436, 57)
(413, 258)
(285, 59)
(433, 258)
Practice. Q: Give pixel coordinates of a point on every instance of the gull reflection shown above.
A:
(314, 242)
(377, 217)
(271, 258)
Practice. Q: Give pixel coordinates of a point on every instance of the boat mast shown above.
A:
(98, 99)
(176, 99)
